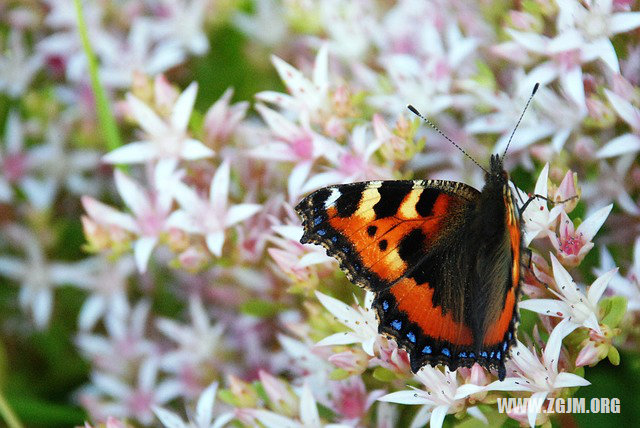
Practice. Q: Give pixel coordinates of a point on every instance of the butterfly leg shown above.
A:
(532, 197)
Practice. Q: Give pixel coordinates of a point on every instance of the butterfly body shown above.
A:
(442, 258)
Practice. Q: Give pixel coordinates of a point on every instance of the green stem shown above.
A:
(105, 116)
(7, 414)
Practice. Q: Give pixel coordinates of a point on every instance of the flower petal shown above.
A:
(146, 117)
(142, 250)
(408, 396)
(590, 226)
(136, 152)
(194, 150)
(626, 143)
(568, 380)
(204, 408)
(182, 108)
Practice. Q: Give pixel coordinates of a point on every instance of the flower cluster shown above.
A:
(173, 261)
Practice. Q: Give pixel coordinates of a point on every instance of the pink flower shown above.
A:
(136, 400)
(150, 210)
(308, 416)
(198, 347)
(221, 119)
(213, 216)
(309, 98)
(568, 189)
(572, 244)
(351, 399)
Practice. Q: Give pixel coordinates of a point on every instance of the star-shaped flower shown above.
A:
(361, 321)
(309, 97)
(308, 415)
(38, 276)
(165, 138)
(537, 375)
(17, 67)
(150, 210)
(202, 417)
(442, 395)
(213, 216)
(572, 244)
(576, 309)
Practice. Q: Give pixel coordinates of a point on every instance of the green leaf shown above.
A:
(614, 308)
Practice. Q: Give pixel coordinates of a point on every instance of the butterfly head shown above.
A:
(497, 172)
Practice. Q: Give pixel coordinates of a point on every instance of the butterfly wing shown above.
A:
(406, 241)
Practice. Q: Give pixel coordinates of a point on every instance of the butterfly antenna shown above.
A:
(431, 124)
(535, 88)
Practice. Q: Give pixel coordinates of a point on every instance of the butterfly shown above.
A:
(443, 259)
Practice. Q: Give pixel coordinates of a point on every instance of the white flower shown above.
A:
(541, 377)
(361, 321)
(293, 257)
(52, 164)
(108, 288)
(136, 400)
(576, 309)
(198, 344)
(442, 396)
(506, 110)
(203, 417)
(37, 276)
(182, 25)
(308, 411)
(265, 25)
(213, 216)
(590, 24)
(121, 59)
(165, 139)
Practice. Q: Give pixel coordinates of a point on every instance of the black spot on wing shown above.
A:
(383, 245)
(348, 202)
(411, 247)
(391, 196)
(371, 230)
(427, 199)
